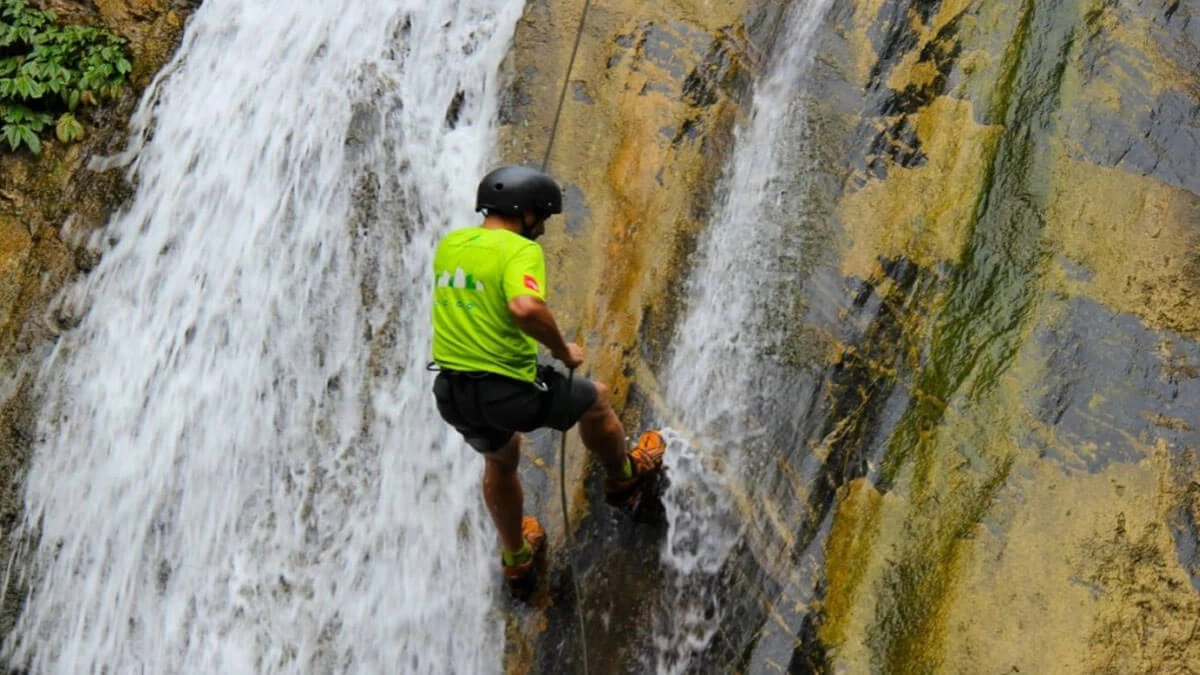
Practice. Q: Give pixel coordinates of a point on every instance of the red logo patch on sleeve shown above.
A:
(532, 284)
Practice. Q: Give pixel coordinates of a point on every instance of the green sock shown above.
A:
(518, 557)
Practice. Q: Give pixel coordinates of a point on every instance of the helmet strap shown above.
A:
(527, 229)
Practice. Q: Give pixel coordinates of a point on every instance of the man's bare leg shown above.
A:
(503, 494)
(603, 433)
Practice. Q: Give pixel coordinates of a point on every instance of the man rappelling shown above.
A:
(489, 314)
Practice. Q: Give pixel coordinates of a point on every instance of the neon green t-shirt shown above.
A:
(477, 271)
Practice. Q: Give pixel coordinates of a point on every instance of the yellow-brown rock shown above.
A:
(642, 134)
(1007, 542)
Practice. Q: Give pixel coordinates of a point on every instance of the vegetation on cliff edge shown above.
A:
(48, 71)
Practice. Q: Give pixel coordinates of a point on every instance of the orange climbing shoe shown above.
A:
(647, 461)
(521, 576)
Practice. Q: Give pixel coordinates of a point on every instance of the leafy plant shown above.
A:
(48, 71)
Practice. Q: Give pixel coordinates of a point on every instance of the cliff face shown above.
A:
(1007, 195)
(52, 201)
(645, 128)
(1035, 505)
(1006, 200)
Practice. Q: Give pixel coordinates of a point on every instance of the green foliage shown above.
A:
(48, 71)
(68, 129)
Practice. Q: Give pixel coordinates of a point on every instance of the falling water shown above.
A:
(733, 340)
(238, 467)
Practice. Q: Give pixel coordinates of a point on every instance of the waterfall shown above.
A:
(238, 465)
(720, 384)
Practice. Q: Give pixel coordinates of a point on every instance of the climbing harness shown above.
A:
(562, 458)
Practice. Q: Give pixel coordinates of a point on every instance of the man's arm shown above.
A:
(533, 316)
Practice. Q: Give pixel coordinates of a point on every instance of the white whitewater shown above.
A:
(730, 342)
(239, 468)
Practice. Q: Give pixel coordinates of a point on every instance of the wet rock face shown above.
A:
(49, 204)
(1045, 408)
(645, 130)
(646, 125)
(999, 329)
(1120, 121)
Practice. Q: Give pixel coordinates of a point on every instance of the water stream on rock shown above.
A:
(719, 385)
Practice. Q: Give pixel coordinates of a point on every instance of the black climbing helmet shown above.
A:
(513, 190)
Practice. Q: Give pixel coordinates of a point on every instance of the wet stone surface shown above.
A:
(663, 46)
(1111, 384)
(1118, 391)
(1140, 108)
(1185, 520)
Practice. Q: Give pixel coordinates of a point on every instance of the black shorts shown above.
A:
(487, 408)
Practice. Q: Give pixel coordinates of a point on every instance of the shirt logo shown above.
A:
(460, 279)
(532, 284)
